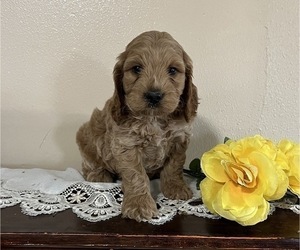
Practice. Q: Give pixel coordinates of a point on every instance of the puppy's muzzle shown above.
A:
(153, 98)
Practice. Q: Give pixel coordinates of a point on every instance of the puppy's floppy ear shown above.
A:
(119, 108)
(189, 99)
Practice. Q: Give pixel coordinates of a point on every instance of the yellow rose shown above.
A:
(288, 158)
(241, 177)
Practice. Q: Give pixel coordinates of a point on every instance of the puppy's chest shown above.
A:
(154, 144)
(154, 141)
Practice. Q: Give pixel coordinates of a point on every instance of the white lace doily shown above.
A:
(40, 191)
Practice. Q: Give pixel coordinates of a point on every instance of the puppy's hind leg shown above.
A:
(95, 173)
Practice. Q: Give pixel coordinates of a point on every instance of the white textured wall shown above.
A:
(57, 59)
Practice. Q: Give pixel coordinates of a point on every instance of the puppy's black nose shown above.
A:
(153, 97)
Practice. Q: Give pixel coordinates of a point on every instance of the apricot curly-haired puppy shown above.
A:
(144, 128)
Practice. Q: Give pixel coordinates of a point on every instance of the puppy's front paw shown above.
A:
(139, 207)
(177, 192)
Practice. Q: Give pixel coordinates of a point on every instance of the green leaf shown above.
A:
(198, 183)
(226, 139)
(195, 166)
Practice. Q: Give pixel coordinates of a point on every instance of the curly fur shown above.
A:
(135, 136)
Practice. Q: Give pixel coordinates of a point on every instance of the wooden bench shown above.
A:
(65, 231)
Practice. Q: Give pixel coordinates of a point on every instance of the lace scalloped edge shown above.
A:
(96, 203)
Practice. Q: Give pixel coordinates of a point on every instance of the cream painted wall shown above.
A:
(57, 59)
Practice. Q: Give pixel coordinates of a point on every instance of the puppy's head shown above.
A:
(153, 76)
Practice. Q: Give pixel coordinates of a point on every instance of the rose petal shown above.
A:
(243, 174)
(271, 181)
(285, 145)
(260, 215)
(283, 183)
(243, 213)
(235, 196)
(238, 210)
(295, 167)
(294, 185)
(209, 190)
(282, 161)
(212, 168)
(295, 190)
(294, 181)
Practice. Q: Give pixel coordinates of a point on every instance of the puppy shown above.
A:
(144, 128)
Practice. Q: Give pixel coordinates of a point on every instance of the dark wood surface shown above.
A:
(65, 230)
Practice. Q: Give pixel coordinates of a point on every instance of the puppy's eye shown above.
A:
(172, 71)
(137, 69)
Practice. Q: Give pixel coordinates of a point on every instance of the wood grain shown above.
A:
(65, 230)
